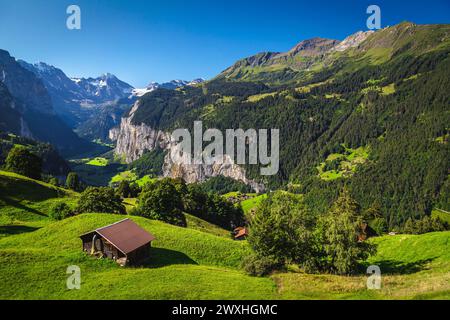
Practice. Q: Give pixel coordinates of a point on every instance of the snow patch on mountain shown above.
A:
(171, 85)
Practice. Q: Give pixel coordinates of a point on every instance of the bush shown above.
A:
(60, 211)
(379, 225)
(73, 182)
(212, 207)
(101, 200)
(260, 265)
(135, 190)
(23, 162)
(54, 181)
(124, 189)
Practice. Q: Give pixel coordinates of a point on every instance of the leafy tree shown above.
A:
(340, 228)
(124, 189)
(283, 230)
(23, 162)
(409, 226)
(160, 200)
(260, 265)
(212, 207)
(424, 225)
(101, 200)
(379, 225)
(60, 211)
(73, 181)
(54, 181)
(222, 185)
(135, 190)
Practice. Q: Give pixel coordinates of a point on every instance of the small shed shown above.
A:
(123, 241)
(366, 232)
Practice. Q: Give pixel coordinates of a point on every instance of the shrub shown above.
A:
(73, 182)
(379, 225)
(260, 265)
(124, 189)
(101, 200)
(54, 181)
(135, 190)
(60, 211)
(23, 162)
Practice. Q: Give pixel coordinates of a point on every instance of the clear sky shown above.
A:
(149, 40)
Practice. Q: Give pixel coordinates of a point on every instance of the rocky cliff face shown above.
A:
(133, 140)
(352, 41)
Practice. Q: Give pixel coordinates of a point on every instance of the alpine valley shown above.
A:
(364, 127)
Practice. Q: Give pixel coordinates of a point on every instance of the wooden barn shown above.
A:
(124, 242)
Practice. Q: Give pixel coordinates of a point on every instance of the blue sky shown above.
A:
(142, 41)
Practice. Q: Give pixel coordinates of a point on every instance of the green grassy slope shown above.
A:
(412, 267)
(441, 214)
(186, 264)
(192, 222)
(26, 200)
(196, 223)
(249, 204)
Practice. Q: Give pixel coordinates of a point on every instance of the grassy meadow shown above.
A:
(197, 262)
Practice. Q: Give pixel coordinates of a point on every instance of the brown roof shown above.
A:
(125, 235)
(242, 232)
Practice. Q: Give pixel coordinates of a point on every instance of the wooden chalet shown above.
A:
(124, 242)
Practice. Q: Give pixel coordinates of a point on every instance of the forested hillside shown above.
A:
(373, 117)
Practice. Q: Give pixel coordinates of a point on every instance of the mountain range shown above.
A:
(91, 106)
(27, 107)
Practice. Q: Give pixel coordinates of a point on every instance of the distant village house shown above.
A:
(240, 233)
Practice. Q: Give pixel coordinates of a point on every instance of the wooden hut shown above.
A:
(240, 233)
(366, 232)
(123, 241)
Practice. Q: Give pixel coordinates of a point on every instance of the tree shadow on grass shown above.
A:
(12, 230)
(160, 257)
(400, 267)
(16, 204)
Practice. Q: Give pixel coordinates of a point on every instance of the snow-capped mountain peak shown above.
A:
(172, 85)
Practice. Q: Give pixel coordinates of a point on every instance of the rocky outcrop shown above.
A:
(133, 140)
(352, 41)
(198, 173)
